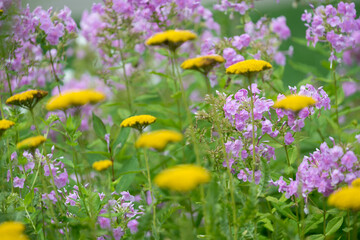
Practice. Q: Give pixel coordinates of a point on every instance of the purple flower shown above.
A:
(61, 180)
(104, 222)
(280, 28)
(241, 41)
(118, 233)
(133, 226)
(349, 159)
(19, 182)
(289, 138)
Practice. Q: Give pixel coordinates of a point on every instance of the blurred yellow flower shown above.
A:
(31, 142)
(248, 66)
(139, 122)
(12, 231)
(205, 63)
(171, 38)
(27, 99)
(182, 178)
(294, 102)
(346, 198)
(158, 139)
(102, 165)
(73, 99)
(4, 125)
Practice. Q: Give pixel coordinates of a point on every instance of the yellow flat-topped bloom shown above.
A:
(27, 99)
(248, 66)
(31, 142)
(6, 124)
(12, 231)
(204, 62)
(139, 122)
(172, 38)
(158, 139)
(182, 178)
(294, 102)
(347, 198)
(102, 165)
(74, 98)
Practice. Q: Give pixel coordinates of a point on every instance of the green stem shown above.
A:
(324, 216)
(127, 82)
(253, 128)
(33, 118)
(348, 225)
(195, 143)
(233, 203)
(207, 81)
(355, 226)
(151, 190)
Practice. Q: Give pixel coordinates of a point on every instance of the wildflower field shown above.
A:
(180, 119)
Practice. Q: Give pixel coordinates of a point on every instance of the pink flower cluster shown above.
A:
(237, 111)
(323, 171)
(129, 215)
(337, 26)
(28, 61)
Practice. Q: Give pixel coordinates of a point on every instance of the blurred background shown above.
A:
(297, 68)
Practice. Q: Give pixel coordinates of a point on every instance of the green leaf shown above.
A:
(99, 127)
(316, 237)
(119, 137)
(67, 162)
(334, 225)
(28, 198)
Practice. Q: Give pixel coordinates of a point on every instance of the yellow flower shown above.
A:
(171, 38)
(248, 66)
(12, 231)
(139, 122)
(294, 102)
(356, 183)
(102, 165)
(182, 178)
(158, 139)
(74, 98)
(27, 99)
(204, 62)
(31, 142)
(346, 198)
(4, 125)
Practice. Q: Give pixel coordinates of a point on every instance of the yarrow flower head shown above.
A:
(347, 198)
(31, 142)
(74, 98)
(102, 165)
(138, 122)
(5, 125)
(295, 102)
(12, 231)
(158, 139)
(248, 67)
(182, 178)
(27, 99)
(171, 38)
(203, 63)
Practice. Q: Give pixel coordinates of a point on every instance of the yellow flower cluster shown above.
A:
(294, 102)
(172, 38)
(138, 122)
(347, 198)
(158, 139)
(27, 99)
(74, 98)
(248, 66)
(6, 124)
(182, 178)
(203, 62)
(12, 231)
(31, 142)
(102, 165)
